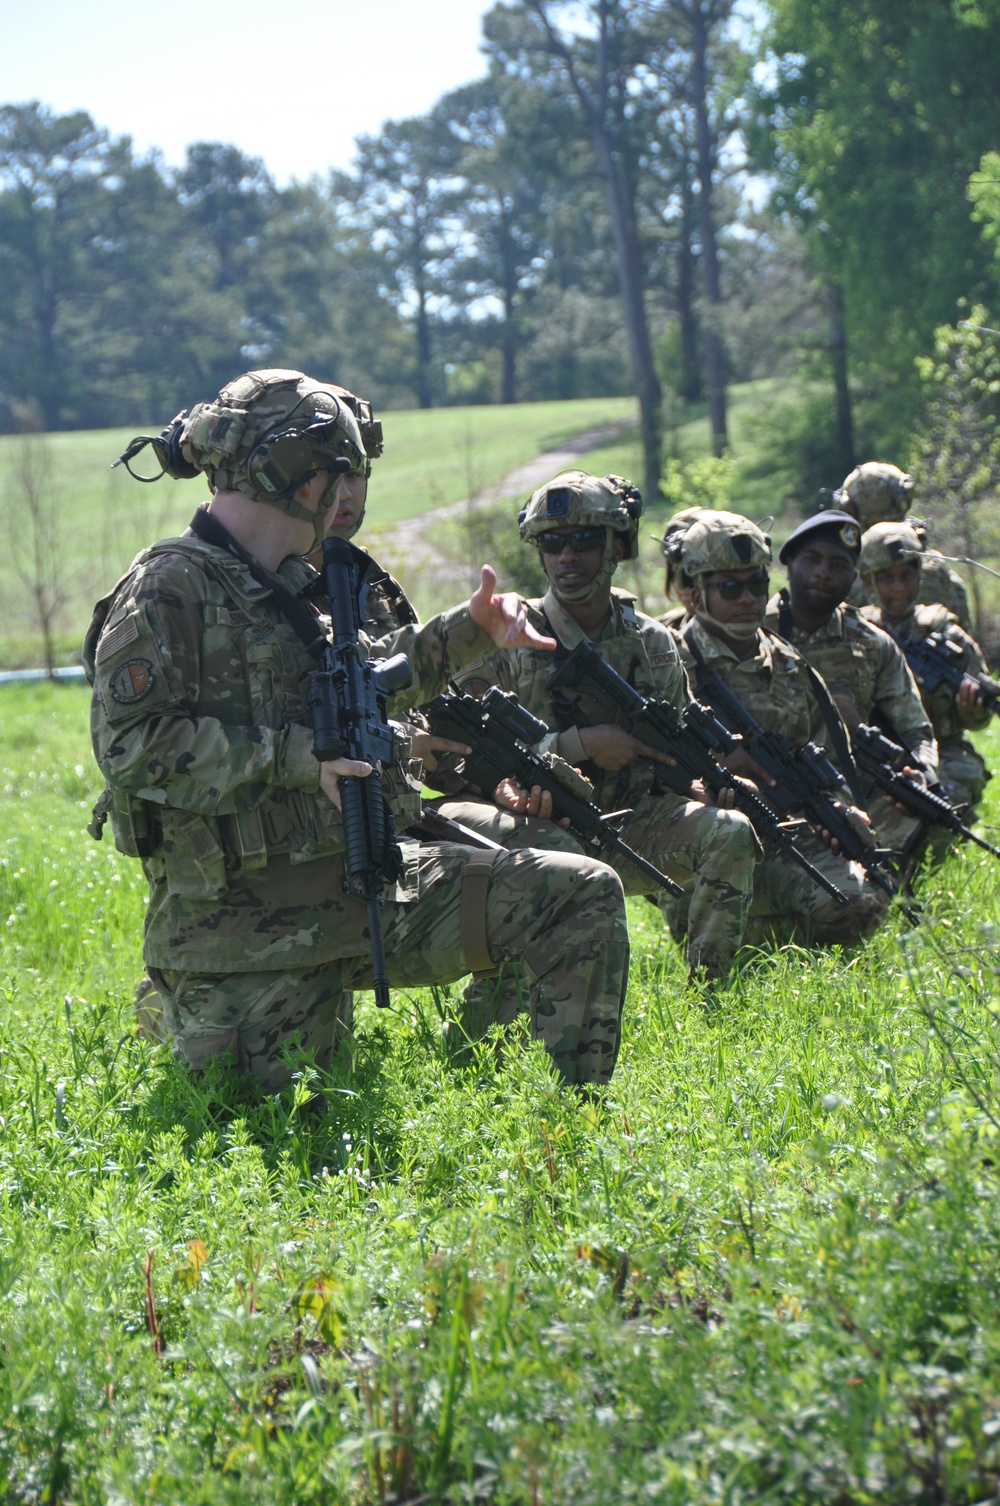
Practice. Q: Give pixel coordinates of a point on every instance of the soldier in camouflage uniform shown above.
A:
(582, 526)
(728, 558)
(877, 492)
(199, 726)
(863, 668)
(892, 556)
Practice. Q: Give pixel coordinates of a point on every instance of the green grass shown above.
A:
(765, 1267)
(103, 517)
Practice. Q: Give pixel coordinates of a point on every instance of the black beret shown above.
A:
(836, 527)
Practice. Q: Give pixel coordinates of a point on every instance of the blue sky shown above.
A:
(294, 84)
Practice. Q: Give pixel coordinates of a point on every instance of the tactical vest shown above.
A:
(267, 666)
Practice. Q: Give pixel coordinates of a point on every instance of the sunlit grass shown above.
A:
(766, 1265)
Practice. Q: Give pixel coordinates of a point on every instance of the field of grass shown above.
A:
(765, 1267)
(102, 517)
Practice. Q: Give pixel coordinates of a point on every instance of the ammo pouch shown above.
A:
(193, 859)
(135, 823)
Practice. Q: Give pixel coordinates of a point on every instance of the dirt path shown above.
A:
(408, 548)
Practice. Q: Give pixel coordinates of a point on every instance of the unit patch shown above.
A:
(132, 681)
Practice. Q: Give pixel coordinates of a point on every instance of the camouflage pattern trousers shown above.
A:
(562, 917)
(963, 773)
(711, 852)
(788, 905)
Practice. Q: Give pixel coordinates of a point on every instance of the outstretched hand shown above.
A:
(505, 617)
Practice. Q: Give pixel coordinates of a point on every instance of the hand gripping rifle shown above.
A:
(502, 734)
(695, 740)
(803, 778)
(936, 660)
(882, 760)
(347, 702)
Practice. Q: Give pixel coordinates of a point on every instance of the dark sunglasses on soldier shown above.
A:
(580, 540)
(732, 590)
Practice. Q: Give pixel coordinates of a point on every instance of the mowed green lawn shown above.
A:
(765, 1267)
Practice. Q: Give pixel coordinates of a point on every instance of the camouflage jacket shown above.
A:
(948, 724)
(635, 645)
(939, 585)
(866, 673)
(773, 684)
(199, 727)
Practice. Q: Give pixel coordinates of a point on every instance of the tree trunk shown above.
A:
(424, 385)
(838, 360)
(690, 387)
(715, 355)
(621, 203)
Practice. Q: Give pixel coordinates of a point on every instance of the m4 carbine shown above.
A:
(936, 660)
(883, 760)
(502, 735)
(804, 779)
(347, 702)
(694, 740)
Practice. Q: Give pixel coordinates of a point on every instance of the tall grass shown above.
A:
(766, 1266)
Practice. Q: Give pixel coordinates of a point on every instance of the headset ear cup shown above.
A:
(276, 469)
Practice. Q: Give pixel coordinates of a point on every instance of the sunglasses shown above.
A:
(731, 590)
(580, 540)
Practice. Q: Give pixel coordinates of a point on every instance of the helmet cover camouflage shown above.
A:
(875, 492)
(887, 544)
(577, 499)
(269, 432)
(721, 541)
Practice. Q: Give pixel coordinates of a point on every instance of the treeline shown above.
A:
(589, 218)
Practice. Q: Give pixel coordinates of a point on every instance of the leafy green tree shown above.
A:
(60, 181)
(406, 197)
(958, 441)
(872, 116)
(595, 68)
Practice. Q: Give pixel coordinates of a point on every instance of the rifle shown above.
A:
(934, 661)
(803, 778)
(502, 734)
(880, 758)
(695, 740)
(347, 702)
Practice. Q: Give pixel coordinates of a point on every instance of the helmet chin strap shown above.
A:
(739, 630)
(593, 587)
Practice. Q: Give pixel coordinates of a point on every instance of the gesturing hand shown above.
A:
(505, 616)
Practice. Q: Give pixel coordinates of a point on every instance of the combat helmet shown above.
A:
(887, 544)
(676, 525)
(875, 492)
(577, 499)
(265, 435)
(722, 541)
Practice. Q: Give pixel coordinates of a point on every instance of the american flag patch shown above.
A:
(119, 637)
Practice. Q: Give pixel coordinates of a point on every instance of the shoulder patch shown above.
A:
(121, 636)
(658, 659)
(132, 682)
